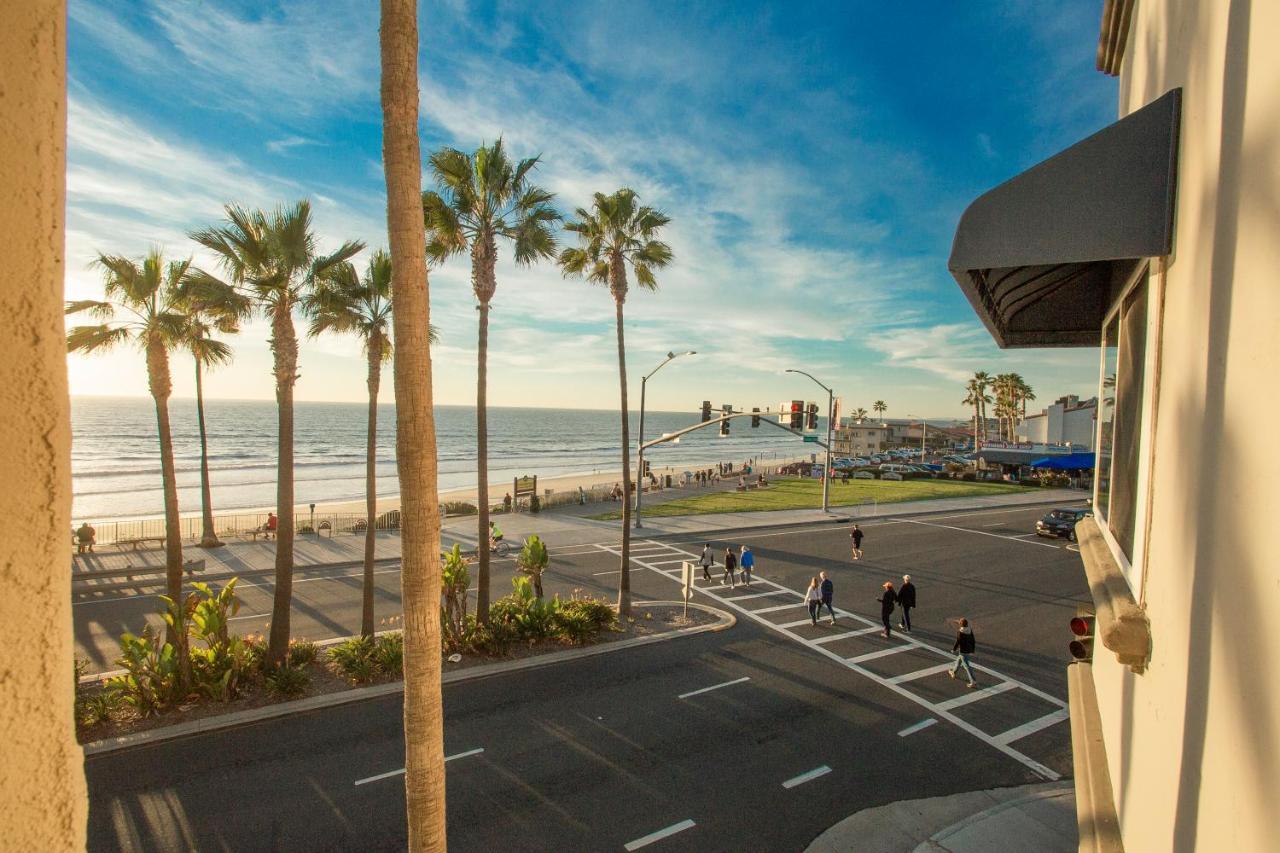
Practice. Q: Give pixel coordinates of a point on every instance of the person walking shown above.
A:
(963, 647)
(906, 600)
(706, 561)
(828, 589)
(747, 562)
(813, 599)
(887, 599)
(730, 563)
(855, 536)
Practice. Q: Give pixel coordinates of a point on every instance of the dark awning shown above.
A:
(1040, 256)
(1065, 462)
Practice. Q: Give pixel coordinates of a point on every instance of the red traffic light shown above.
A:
(1081, 626)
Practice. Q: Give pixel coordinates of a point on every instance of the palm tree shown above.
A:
(859, 414)
(347, 303)
(981, 381)
(141, 307)
(415, 431)
(482, 197)
(272, 260)
(615, 232)
(976, 397)
(879, 408)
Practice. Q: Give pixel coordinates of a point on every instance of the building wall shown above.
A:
(1194, 742)
(858, 439)
(43, 804)
(1066, 421)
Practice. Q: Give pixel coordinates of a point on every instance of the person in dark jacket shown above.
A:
(887, 599)
(906, 600)
(855, 536)
(828, 590)
(707, 560)
(730, 564)
(963, 647)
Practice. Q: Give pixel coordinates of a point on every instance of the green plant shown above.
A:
(301, 652)
(96, 708)
(287, 680)
(150, 681)
(525, 615)
(574, 626)
(388, 654)
(532, 561)
(352, 659)
(79, 666)
(454, 579)
(459, 508)
(535, 504)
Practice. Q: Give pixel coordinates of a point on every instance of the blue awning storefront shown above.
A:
(1066, 462)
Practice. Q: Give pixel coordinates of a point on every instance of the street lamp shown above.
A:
(640, 444)
(826, 471)
(924, 434)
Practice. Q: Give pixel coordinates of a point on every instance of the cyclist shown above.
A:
(495, 535)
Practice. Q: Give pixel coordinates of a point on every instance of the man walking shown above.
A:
(964, 646)
(706, 561)
(906, 600)
(747, 562)
(730, 564)
(828, 590)
(856, 536)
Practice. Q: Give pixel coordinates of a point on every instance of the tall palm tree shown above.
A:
(415, 431)
(615, 232)
(481, 197)
(141, 307)
(976, 397)
(348, 303)
(982, 381)
(271, 259)
(879, 408)
(859, 414)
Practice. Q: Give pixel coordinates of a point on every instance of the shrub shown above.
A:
(535, 504)
(525, 615)
(532, 561)
(969, 477)
(350, 659)
(150, 681)
(288, 679)
(598, 613)
(460, 508)
(97, 708)
(455, 578)
(574, 626)
(301, 652)
(388, 654)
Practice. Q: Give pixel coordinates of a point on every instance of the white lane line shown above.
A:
(1032, 727)
(610, 572)
(847, 634)
(400, 772)
(921, 673)
(980, 533)
(797, 623)
(771, 609)
(997, 524)
(976, 695)
(880, 654)
(659, 835)
(815, 773)
(665, 562)
(918, 727)
(713, 687)
(779, 591)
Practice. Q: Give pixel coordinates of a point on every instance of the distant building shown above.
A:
(859, 439)
(1068, 421)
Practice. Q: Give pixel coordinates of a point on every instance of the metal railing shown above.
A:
(231, 527)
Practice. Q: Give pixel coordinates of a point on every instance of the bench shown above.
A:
(141, 540)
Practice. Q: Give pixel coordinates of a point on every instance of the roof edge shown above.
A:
(1113, 35)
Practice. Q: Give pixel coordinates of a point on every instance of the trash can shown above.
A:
(668, 480)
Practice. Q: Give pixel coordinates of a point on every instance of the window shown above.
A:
(1121, 395)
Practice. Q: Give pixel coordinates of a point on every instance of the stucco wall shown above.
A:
(42, 792)
(1194, 743)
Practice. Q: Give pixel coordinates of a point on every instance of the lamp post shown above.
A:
(924, 434)
(826, 470)
(640, 444)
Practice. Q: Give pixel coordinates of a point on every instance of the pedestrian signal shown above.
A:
(812, 422)
(797, 414)
(726, 409)
(706, 411)
(755, 417)
(1082, 646)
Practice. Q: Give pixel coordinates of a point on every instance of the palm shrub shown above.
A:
(150, 678)
(532, 561)
(388, 654)
(288, 680)
(454, 580)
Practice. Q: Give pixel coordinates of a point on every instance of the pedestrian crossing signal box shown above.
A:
(706, 411)
(755, 417)
(1082, 629)
(726, 409)
(797, 414)
(811, 422)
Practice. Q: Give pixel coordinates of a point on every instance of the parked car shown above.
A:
(894, 468)
(1061, 523)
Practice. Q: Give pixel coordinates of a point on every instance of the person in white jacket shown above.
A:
(813, 599)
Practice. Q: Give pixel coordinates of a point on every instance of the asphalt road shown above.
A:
(789, 728)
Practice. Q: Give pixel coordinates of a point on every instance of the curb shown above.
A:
(360, 694)
(937, 841)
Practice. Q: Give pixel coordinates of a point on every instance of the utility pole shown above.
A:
(826, 471)
(640, 443)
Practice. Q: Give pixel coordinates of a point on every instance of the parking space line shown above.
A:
(714, 687)
(659, 835)
(778, 591)
(797, 623)
(976, 695)
(847, 634)
(1032, 727)
(921, 673)
(881, 653)
(400, 772)
(815, 773)
(980, 533)
(918, 727)
(771, 609)
(610, 572)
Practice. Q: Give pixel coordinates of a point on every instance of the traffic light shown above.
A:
(797, 414)
(1082, 646)
(812, 422)
(706, 411)
(755, 417)
(646, 468)
(724, 425)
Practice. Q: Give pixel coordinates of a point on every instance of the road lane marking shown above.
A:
(772, 609)
(779, 591)
(918, 727)
(921, 673)
(1032, 727)
(713, 687)
(610, 572)
(976, 695)
(815, 773)
(881, 653)
(400, 772)
(847, 634)
(797, 623)
(653, 837)
(981, 533)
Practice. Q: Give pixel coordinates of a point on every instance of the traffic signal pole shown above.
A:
(640, 442)
(826, 471)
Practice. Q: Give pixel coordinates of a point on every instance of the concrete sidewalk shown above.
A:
(1028, 817)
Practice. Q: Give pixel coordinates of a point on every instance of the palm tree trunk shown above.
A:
(371, 483)
(415, 431)
(482, 466)
(284, 344)
(158, 378)
(624, 580)
(208, 537)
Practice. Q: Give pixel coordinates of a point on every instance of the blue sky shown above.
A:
(814, 159)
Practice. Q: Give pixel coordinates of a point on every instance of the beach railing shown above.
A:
(235, 526)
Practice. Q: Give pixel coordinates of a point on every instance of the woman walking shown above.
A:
(747, 562)
(887, 600)
(813, 599)
(730, 563)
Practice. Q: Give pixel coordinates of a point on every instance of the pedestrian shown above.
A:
(963, 647)
(86, 538)
(272, 526)
(747, 562)
(813, 599)
(887, 599)
(506, 502)
(828, 590)
(856, 536)
(706, 561)
(730, 564)
(906, 600)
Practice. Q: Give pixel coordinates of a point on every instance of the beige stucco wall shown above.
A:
(1194, 743)
(42, 793)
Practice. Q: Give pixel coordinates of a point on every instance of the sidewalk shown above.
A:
(1028, 817)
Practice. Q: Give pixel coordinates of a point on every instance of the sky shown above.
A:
(814, 159)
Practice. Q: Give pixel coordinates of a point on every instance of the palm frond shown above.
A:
(88, 339)
(96, 308)
(210, 352)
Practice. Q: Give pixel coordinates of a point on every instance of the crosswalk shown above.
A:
(766, 602)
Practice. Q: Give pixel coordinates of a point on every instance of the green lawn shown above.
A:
(807, 494)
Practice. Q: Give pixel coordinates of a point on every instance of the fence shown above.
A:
(230, 527)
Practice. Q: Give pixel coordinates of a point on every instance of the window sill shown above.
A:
(1120, 623)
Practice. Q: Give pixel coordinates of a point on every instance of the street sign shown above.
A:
(812, 439)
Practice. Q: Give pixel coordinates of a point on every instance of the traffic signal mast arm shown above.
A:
(671, 436)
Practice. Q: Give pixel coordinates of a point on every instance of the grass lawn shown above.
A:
(807, 494)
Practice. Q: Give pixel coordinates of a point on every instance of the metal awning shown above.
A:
(1040, 256)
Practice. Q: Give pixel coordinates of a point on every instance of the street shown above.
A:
(755, 738)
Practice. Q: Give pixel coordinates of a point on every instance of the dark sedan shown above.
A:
(1061, 523)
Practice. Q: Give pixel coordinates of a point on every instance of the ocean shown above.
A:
(115, 457)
